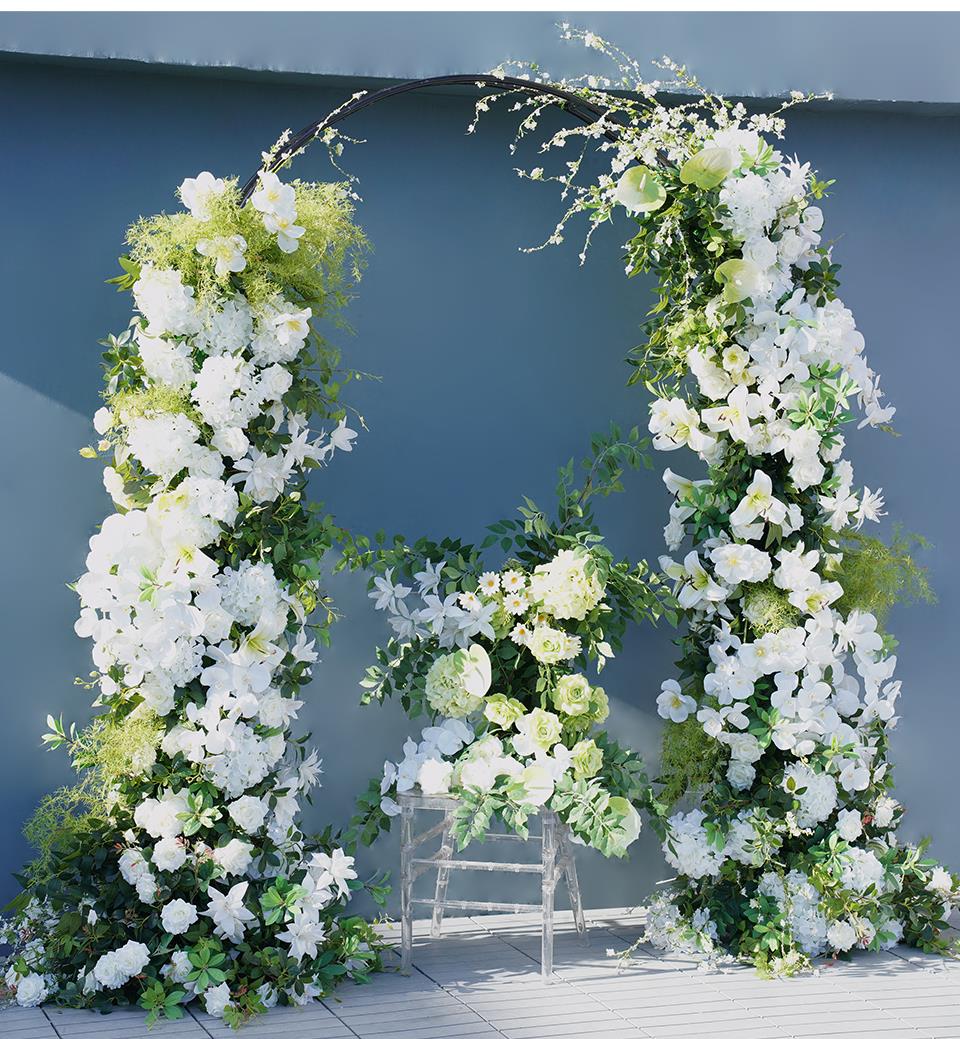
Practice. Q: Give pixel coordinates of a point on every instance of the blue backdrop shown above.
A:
(496, 366)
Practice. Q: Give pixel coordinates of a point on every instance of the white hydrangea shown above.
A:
(861, 869)
(687, 847)
(815, 791)
(166, 303)
(564, 587)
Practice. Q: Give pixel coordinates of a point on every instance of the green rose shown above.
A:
(708, 168)
(587, 759)
(538, 730)
(599, 706)
(549, 645)
(572, 695)
(639, 191)
(502, 710)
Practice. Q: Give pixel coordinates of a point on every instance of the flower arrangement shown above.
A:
(778, 723)
(496, 659)
(176, 870)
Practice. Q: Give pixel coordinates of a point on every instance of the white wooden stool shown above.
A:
(556, 857)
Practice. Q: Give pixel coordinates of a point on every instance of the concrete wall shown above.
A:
(496, 367)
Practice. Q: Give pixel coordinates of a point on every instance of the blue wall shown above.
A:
(496, 367)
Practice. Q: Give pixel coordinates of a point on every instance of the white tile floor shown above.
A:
(482, 979)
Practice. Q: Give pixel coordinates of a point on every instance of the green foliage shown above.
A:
(689, 760)
(320, 273)
(876, 576)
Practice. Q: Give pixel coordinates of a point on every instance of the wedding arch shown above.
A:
(774, 804)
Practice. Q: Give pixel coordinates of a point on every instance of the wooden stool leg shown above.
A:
(548, 888)
(568, 866)
(406, 888)
(443, 877)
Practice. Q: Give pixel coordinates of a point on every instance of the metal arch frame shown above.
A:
(579, 107)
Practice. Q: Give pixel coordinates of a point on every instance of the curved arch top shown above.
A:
(579, 107)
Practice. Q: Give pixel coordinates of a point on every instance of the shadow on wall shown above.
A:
(496, 366)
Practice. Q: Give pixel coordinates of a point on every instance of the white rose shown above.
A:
(233, 857)
(849, 824)
(146, 888)
(177, 916)
(31, 991)
(248, 812)
(169, 854)
(740, 774)
(231, 441)
(434, 776)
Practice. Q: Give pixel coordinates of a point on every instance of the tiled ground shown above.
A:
(482, 979)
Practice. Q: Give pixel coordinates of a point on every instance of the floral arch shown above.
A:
(175, 869)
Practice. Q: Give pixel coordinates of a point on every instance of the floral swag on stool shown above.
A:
(496, 658)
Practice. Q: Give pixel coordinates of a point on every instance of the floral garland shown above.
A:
(176, 870)
(778, 724)
(496, 659)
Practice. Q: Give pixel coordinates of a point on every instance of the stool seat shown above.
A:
(556, 859)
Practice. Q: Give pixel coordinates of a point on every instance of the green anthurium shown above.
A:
(708, 168)
(740, 279)
(639, 191)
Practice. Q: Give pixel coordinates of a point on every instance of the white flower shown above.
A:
(342, 437)
(169, 854)
(940, 882)
(434, 776)
(226, 251)
(216, 999)
(228, 912)
(538, 785)
(166, 303)
(114, 969)
(273, 196)
(884, 811)
(734, 563)
(248, 812)
(489, 583)
(233, 857)
(849, 824)
(336, 868)
(31, 990)
(196, 193)
(757, 504)
(567, 586)
(177, 916)
(673, 704)
(862, 870)
(841, 936)
(304, 933)
(287, 231)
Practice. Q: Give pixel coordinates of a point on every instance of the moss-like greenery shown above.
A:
(876, 576)
(154, 400)
(768, 609)
(320, 273)
(688, 759)
(104, 753)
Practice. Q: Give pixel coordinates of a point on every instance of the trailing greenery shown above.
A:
(876, 576)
